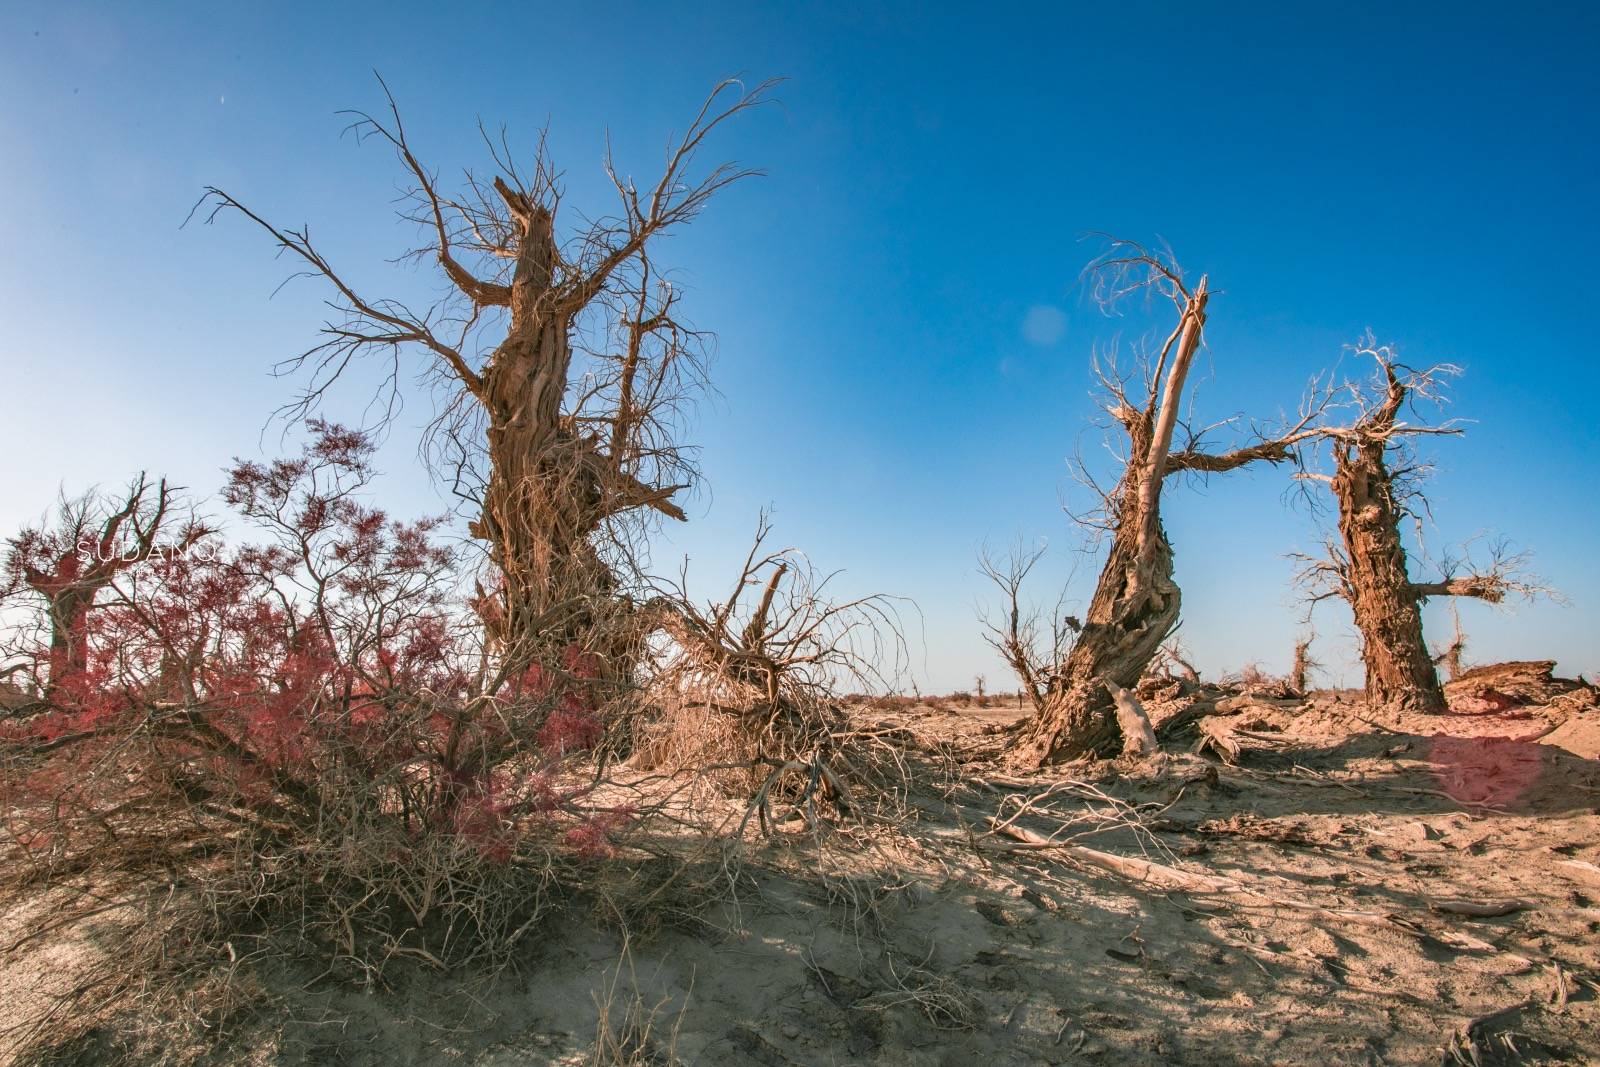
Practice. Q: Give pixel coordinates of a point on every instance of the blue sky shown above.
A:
(902, 367)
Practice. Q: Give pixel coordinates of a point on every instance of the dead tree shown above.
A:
(1173, 661)
(68, 565)
(1451, 657)
(561, 449)
(1304, 665)
(1135, 604)
(1376, 483)
(1017, 635)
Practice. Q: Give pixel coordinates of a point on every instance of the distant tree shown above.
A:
(1376, 480)
(1135, 604)
(1451, 657)
(70, 562)
(1303, 665)
(560, 435)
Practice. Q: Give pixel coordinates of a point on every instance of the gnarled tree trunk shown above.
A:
(1388, 611)
(543, 500)
(1134, 609)
(1368, 566)
(1135, 603)
(550, 489)
(567, 451)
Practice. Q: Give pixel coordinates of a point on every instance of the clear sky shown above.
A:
(902, 366)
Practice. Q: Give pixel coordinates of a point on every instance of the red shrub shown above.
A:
(321, 692)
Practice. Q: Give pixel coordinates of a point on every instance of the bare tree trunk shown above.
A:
(533, 510)
(549, 490)
(1135, 604)
(566, 449)
(1300, 670)
(1400, 671)
(1134, 609)
(1368, 566)
(531, 514)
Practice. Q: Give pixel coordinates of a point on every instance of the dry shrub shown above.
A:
(629, 1031)
(1251, 680)
(296, 749)
(746, 695)
(282, 762)
(944, 1002)
(1172, 662)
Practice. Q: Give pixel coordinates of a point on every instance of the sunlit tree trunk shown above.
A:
(566, 452)
(1388, 612)
(1135, 604)
(1368, 565)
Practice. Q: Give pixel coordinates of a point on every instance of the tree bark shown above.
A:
(1387, 606)
(546, 495)
(1134, 609)
(1135, 604)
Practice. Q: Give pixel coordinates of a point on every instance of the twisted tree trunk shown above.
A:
(549, 490)
(1133, 611)
(1387, 606)
(1370, 563)
(556, 475)
(1135, 604)
(532, 512)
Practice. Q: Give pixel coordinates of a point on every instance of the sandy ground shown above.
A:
(1346, 834)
